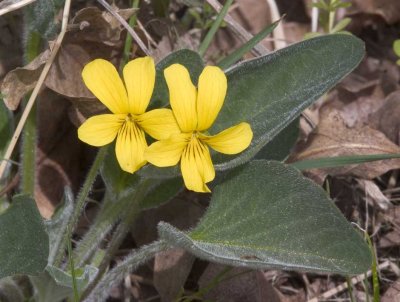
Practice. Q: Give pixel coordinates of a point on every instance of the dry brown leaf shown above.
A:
(387, 9)
(93, 34)
(373, 194)
(241, 285)
(171, 269)
(332, 138)
(386, 119)
(390, 239)
(393, 293)
(21, 80)
(58, 149)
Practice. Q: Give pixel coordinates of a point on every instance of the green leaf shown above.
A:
(267, 215)
(188, 58)
(6, 127)
(396, 47)
(55, 285)
(24, 243)
(338, 161)
(57, 226)
(341, 25)
(242, 50)
(279, 148)
(271, 91)
(161, 192)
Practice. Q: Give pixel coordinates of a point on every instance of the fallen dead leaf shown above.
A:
(93, 34)
(373, 194)
(386, 119)
(393, 293)
(21, 80)
(239, 285)
(332, 138)
(58, 149)
(388, 10)
(171, 269)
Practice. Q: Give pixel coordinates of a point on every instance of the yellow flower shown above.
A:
(195, 111)
(128, 103)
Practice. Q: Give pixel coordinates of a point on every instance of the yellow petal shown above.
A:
(101, 130)
(211, 95)
(102, 79)
(158, 123)
(130, 147)
(196, 166)
(139, 77)
(182, 96)
(230, 141)
(167, 152)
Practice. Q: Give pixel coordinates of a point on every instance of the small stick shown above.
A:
(143, 29)
(126, 25)
(7, 6)
(279, 34)
(314, 18)
(344, 285)
(35, 92)
(238, 29)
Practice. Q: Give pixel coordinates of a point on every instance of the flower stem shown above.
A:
(217, 23)
(80, 202)
(121, 232)
(129, 264)
(72, 267)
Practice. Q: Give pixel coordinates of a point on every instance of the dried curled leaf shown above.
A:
(21, 80)
(93, 34)
(332, 138)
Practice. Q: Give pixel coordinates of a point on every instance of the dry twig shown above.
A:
(334, 291)
(36, 90)
(7, 6)
(238, 29)
(126, 25)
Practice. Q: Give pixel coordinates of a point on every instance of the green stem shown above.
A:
(28, 175)
(375, 279)
(350, 288)
(128, 41)
(331, 20)
(217, 23)
(106, 218)
(120, 233)
(129, 264)
(72, 267)
(80, 202)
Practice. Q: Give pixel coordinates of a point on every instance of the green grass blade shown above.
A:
(238, 53)
(211, 33)
(338, 161)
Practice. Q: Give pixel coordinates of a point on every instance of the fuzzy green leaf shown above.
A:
(24, 243)
(271, 91)
(267, 215)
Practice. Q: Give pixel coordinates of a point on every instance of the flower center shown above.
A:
(129, 118)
